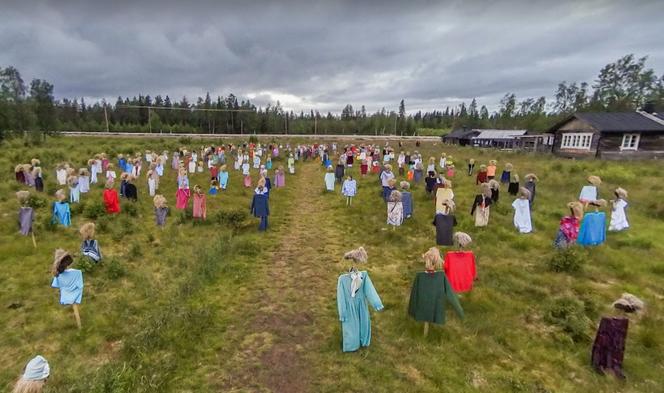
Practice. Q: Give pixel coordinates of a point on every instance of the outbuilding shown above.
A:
(610, 135)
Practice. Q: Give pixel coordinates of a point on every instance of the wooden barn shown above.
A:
(607, 135)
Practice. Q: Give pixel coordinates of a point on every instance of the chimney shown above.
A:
(649, 107)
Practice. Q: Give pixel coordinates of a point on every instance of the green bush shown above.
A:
(569, 314)
(36, 201)
(185, 216)
(567, 260)
(235, 219)
(253, 139)
(184, 140)
(115, 269)
(130, 209)
(49, 225)
(77, 208)
(85, 264)
(94, 210)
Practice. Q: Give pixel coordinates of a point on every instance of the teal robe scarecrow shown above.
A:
(354, 291)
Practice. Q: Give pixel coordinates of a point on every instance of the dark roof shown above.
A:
(461, 133)
(616, 122)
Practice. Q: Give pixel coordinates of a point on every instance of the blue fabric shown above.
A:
(37, 369)
(593, 229)
(70, 283)
(90, 248)
(123, 187)
(260, 208)
(222, 177)
(387, 191)
(354, 311)
(349, 188)
(505, 177)
(61, 214)
(213, 191)
(407, 202)
(122, 164)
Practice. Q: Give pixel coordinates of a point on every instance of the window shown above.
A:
(576, 141)
(630, 142)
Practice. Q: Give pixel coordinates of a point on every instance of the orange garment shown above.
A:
(491, 170)
(460, 270)
(410, 175)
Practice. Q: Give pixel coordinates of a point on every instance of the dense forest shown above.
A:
(624, 85)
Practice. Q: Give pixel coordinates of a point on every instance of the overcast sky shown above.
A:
(323, 55)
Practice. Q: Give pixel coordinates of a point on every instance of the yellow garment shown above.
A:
(443, 194)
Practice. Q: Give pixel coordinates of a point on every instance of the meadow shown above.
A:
(216, 306)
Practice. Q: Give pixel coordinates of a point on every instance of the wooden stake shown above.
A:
(77, 315)
(34, 241)
(426, 329)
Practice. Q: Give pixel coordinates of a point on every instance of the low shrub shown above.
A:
(94, 210)
(184, 216)
(235, 219)
(37, 201)
(134, 251)
(184, 140)
(130, 209)
(567, 260)
(114, 269)
(77, 208)
(569, 314)
(85, 264)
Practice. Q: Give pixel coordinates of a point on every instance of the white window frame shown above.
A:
(630, 139)
(576, 140)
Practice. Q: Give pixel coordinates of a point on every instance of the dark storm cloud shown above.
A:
(323, 55)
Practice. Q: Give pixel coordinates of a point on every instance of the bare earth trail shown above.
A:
(294, 294)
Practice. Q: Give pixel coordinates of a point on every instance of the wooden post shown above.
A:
(77, 315)
(34, 241)
(426, 329)
(149, 120)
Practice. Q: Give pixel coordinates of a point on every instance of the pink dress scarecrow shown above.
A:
(182, 195)
(280, 178)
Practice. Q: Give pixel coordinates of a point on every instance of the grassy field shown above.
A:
(216, 306)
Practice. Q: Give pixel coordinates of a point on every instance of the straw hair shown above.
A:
(388, 167)
(493, 162)
(329, 168)
(404, 185)
(508, 167)
(18, 168)
(261, 182)
(395, 196)
(109, 184)
(198, 189)
(60, 261)
(432, 259)
(594, 180)
(532, 176)
(462, 239)
(483, 168)
(83, 172)
(25, 386)
(159, 201)
(516, 177)
(27, 167)
(523, 193)
(87, 230)
(485, 189)
(392, 182)
(182, 172)
(599, 203)
(60, 194)
(494, 185)
(447, 183)
(91, 161)
(576, 208)
(451, 206)
(621, 193)
(223, 168)
(110, 166)
(358, 255)
(23, 197)
(35, 162)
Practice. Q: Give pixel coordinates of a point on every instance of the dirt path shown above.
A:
(298, 284)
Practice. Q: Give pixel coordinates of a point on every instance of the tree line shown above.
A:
(624, 85)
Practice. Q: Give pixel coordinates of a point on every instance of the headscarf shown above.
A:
(37, 369)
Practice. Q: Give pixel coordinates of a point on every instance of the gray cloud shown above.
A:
(323, 55)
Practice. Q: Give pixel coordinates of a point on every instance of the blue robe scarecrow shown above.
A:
(593, 229)
(260, 208)
(61, 214)
(352, 299)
